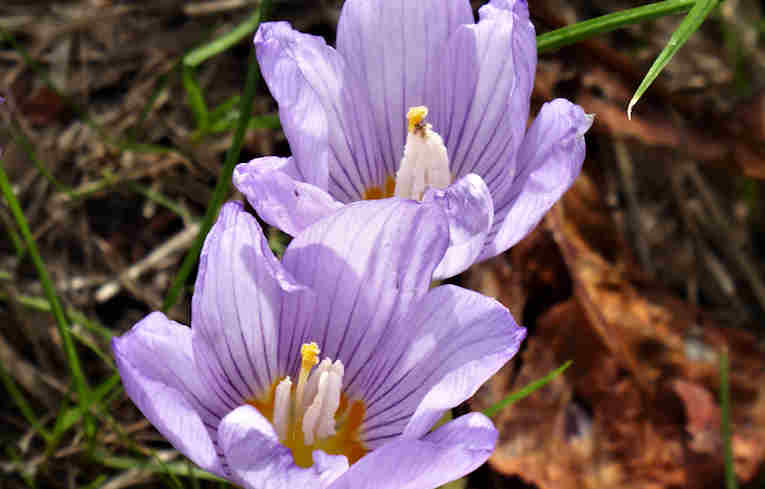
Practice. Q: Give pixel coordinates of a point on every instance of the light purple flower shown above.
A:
(344, 112)
(234, 393)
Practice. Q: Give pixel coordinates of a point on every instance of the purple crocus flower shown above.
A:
(417, 101)
(242, 392)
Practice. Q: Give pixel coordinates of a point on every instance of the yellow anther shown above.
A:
(315, 414)
(310, 357)
(415, 116)
(310, 354)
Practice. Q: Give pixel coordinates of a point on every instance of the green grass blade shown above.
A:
(13, 236)
(196, 99)
(76, 108)
(226, 109)
(32, 63)
(224, 181)
(43, 74)
(525, 391)
(217, 46)
(687, 27)
(606, 23)
(158, 89)
(176, 468)
(40, 304)
(161, 200)
(225, 116)
(22, 140)
(730, 470)
(97, 482)
(50, 292)
(70, 416)
(192, 475)
(21, 402)
(92, 346)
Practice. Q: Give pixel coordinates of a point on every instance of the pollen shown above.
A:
(416, 117)
(310, 355)
(315, 414)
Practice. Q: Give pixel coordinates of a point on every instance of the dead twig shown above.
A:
(626, 173)
(153, 260)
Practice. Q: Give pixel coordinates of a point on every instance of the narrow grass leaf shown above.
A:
(77, 318)
(18, 245)
(224, 180)
(50, 292)
(40, 304)
(688, 26)
(69, 416)
(222, 43)
(725, 430)
(76, 108)
(278, 241)
(225, 116)
(525, 391)
(158, 89)
(97, 482)
(176, 468)
(6, 36)
(22, 404)
(196, 99)
(192, 475)
(160, 199)
(609, 22)
(22, 140)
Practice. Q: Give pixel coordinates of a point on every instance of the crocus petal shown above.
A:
(370, 260)
(455, 449)
(158, 371)
(470, 210)
(483, 91)
(258, 461)
(549, 161)
(436, 357)
(237, 308)
(323, 109)
(393, 47)
(279, 199)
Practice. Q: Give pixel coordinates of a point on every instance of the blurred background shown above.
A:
(648, 270)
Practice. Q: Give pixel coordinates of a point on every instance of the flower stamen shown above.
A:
(425, 163)
(310, 357)
(282, 408)
(319, 415)
(416, 117)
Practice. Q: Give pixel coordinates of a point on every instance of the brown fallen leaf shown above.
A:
(703, 416)
(638, 408)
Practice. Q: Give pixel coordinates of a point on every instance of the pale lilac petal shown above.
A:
(549, 161)
(393, 48)
(324, 111)
(258, 461)
(454, 450)
(157, 367)
(280, 199)
(470, 210)
(237, 308)
(483, 91)
(368, 263)
(436, 357)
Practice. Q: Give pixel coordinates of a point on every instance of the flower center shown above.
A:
(315, 414)
(425, 162)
